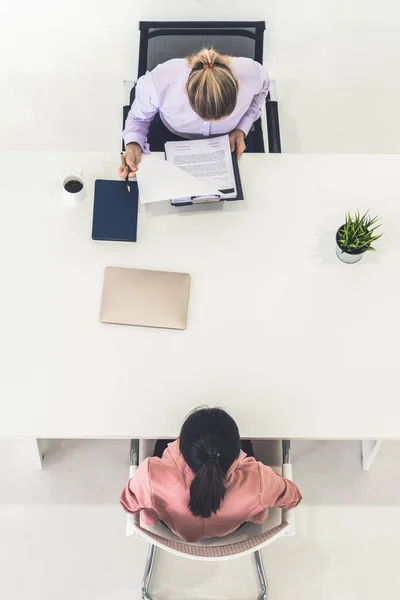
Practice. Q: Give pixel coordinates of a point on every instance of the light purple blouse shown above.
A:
(163, 90)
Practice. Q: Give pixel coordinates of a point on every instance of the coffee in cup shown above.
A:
(73, 189)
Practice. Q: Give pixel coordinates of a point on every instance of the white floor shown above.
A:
(62, 531)
(61, 70)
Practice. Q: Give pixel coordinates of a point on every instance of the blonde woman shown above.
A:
(199, 96)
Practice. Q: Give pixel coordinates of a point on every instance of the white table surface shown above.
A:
(292, 341)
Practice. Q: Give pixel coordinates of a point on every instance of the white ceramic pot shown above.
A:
(348, 258)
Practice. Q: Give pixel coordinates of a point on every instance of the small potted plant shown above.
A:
(356, 236)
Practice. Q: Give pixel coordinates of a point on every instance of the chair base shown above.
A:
(148, 571)
(262, 580)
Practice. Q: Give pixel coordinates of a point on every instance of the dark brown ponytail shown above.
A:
(209, 443)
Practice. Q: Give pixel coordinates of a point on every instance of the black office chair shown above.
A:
(162, 40)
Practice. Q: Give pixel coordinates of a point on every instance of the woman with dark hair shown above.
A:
(204, 485)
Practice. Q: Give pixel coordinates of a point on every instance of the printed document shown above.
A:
(207, 159)
(194, 171)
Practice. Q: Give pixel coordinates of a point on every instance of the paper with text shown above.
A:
(206, 159)
(160, 180)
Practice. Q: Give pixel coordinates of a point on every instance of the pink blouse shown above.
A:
(160, 490)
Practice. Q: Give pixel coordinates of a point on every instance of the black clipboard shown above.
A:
(238, 183)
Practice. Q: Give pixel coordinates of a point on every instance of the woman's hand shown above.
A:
(236, 139)
(133, 155)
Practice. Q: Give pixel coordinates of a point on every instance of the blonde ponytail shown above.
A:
(211, 86)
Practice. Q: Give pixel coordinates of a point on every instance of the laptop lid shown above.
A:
(145, 298)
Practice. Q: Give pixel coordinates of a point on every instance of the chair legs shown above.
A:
(150, 565)
(261, 575)
(148, 572)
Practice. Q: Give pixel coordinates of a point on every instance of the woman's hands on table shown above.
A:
(236, 139)
(133, 154)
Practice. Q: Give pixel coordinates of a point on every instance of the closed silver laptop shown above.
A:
(145, 298)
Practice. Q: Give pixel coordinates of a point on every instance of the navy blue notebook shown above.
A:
(115, 211)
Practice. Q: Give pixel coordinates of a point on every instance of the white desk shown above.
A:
(293, 342)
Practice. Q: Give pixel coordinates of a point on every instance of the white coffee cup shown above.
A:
(74, 188)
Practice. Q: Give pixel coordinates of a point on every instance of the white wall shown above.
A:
(335, 62)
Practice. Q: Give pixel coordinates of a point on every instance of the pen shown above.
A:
(123, 165)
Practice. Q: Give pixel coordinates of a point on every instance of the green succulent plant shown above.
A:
(357, 234)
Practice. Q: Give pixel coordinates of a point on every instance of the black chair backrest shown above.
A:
(163, 40)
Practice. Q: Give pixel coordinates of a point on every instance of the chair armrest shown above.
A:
(129, 96)
(129, 86)
(130, 528)
(134, 453)
(273, 130)
(134, 463)
(287, 472)
(272, 94)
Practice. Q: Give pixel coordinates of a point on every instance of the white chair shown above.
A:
(249, 539)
